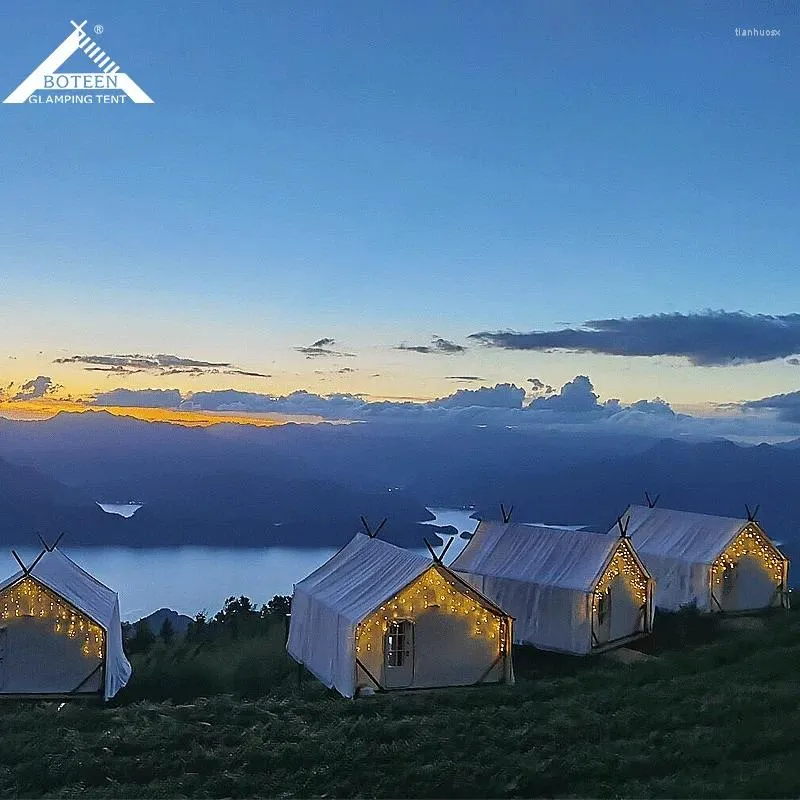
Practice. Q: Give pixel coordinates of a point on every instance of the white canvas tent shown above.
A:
(379, 616)
(60, 632)
(568, 591)
(717, 563)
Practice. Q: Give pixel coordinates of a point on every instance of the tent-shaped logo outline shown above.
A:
(77, 40)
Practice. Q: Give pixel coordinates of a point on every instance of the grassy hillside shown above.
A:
(713, 712)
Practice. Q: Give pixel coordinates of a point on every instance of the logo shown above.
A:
(107, 85)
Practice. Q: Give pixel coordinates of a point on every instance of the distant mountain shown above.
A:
(154, 621)
(31, 502)
(307, 485)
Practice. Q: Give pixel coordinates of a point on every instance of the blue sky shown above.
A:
(382, 173)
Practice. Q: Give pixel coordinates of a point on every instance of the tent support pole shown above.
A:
(370, 675)
(493, 665)
(90, 675)
(714, 599)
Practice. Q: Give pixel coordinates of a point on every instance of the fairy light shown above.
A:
(623, 563)
(750, 541)
(432, 590)
(28, 598)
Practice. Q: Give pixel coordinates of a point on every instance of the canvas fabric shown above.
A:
(678, 548)
(328, 605)
(63, 576)
(541, 576)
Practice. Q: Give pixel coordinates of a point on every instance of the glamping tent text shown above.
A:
(378, 616)
(719, 564)
(569, 591)
(60, 632)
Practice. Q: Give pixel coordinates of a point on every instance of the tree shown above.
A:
(236, 613)
(142, 638)
(198, 628)
(167, 632)
(279, 606)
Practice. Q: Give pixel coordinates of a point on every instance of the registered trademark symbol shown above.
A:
(98, 29)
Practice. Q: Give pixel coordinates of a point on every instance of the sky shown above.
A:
(398, 201)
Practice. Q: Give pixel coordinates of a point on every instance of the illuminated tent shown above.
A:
(569, 591)
(378, 616)
(717, 563)
(60, 632)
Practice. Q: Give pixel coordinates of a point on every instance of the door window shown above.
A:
(399, 641)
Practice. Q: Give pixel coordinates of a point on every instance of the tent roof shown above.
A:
(535, 554)
(685, 535)
(61, 574)
(362, 575)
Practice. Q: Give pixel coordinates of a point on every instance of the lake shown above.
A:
(192, 579)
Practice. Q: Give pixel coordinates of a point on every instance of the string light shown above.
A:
(750, 541)
(625, 564)
(432, 589)
(28, 598)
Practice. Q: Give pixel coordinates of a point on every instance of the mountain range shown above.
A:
(307, 485)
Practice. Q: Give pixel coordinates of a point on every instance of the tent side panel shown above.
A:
(678, 583)
(548, 617)
(314, 641)
(118, 668)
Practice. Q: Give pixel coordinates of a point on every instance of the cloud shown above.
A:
(438, 345)
(536, 384)
(139, 398)
(786, 407)
(655, 406)
(710, 338)
(503, 395)
(163, 364)
(118, 370)
(795, 362)
(575, 407)
(322, 348)
(35, 389)
(463, 378)
(576, 396)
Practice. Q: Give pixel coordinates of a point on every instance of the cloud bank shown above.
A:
(711, 338)
(161, 365)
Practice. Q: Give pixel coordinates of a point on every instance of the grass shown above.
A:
(715, 714)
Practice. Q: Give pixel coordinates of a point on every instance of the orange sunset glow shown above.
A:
(46, 409)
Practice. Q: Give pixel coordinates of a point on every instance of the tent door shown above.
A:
(398, 655)
(626, 614)
(617, 614)
(746, 587)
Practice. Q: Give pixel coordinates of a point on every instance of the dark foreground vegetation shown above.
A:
(704, 709)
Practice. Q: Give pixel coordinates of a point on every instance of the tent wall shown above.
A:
(548, 617)
(458, 640)
(323, 641)
(750, 573)
(748, 588)
(35, 660)
(679, 583)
